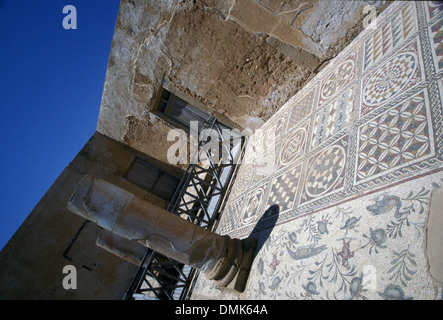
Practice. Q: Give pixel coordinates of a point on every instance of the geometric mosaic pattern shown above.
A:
(325, 171)
(437, 43)
(390, 35)
(365, 122)
(332, 118)
(396, 137)
(302, 107)
(389, 79)
(253, 206)
(293, 146)
(358, 152)
(338, 79)
(284, 189)
(393, 76)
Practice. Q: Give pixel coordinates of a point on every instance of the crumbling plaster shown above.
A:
(238, 60)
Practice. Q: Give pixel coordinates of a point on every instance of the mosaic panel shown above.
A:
(369, 248)
(436, 36)
(359, 153)
(267, 146)
(433, 9)
(339, 78)
(397, 137)
(352, 131)
(302, 107)
(396, 75)
(325, 172)
(253, 208)
(293, 146)
(390, 35)
(284, 189)
(243, 179)
(333, 117)
(230, 220)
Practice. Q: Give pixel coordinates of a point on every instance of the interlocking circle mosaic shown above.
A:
(338, 79)
(293, 146)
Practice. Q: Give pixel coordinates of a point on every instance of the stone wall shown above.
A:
(238, 60)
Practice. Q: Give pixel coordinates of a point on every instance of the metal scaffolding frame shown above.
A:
(198, 199)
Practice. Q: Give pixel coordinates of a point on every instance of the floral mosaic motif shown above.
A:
(402, 209)
(332, 265)
(316, 258)
(377, 239)
(402, 267)
(324, 270)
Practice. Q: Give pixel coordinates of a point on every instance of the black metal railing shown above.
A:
(199, 199)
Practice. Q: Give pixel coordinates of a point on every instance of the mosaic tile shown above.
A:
(397, 137)
(332, 118)
(338, 78)
(253, 207)
(325, 172)
(433, 9)
(436, 36)
(293, 146)
(395, 76)
(284, 188)
(359, 151)
(390, 35)
(302, 107)
(243, 179)
(369, 248)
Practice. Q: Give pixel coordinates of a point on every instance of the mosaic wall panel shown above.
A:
(358, 152)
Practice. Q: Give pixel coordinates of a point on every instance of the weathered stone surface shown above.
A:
(240, 60)
(334, 24)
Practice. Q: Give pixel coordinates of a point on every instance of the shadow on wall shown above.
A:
(264, 227)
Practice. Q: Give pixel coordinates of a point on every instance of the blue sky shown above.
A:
(51, 83)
